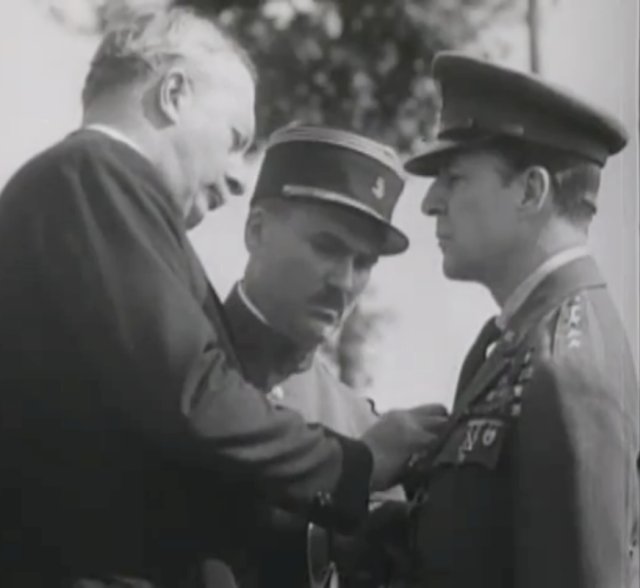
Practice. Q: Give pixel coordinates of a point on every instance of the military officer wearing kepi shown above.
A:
(535, 482)
(318, 222)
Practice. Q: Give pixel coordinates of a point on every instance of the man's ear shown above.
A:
(254, 229)
(174, 90)
(537, 187)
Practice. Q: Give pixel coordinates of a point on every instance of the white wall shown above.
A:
(42, 68)
(593, 46)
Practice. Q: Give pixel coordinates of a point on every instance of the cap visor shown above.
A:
(429, 162)
(394, 240)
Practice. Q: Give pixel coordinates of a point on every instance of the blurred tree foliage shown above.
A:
(348, 349)
(358, 64)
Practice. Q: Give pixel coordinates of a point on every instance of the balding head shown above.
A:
(183, 91)
(140, 43)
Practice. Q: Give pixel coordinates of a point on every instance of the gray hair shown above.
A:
(574, 181)
(140, 43)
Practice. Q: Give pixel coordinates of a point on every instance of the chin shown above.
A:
(198, 211)
(455, 271)
(310, 338)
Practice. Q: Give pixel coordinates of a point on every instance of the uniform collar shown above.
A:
(116, 135)
(267, 356)
(251, 307)
(568, 280)
(519, 296)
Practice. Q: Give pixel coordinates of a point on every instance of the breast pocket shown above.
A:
(478, 440)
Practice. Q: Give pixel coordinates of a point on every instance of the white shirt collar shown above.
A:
(116, 135)
(518, 297)
(250, 305)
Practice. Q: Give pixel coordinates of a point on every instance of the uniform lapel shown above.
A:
(549, 294)
(488, 372)
(267, 357)
(477, 355)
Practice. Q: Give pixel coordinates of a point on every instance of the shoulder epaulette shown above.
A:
(569, 329)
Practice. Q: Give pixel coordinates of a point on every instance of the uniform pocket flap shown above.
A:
(476, 440)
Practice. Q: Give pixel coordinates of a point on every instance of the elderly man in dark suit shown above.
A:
(535, 481)
(124, 417)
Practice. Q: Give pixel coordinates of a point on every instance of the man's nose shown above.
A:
(342, 275)
(434, 202)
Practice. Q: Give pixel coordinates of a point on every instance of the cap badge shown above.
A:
(379, 188)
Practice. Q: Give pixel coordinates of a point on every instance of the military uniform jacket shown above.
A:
(537, 484)
(119, 388)
(303, 382)
(320, 397)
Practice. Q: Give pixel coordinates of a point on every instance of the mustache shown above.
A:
(330, 298)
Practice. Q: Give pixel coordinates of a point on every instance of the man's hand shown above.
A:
(397, 436)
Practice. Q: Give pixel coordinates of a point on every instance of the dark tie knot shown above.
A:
(489, 334)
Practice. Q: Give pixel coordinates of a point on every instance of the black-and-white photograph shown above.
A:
(320, 294)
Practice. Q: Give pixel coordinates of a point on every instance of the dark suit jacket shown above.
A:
(538, 484)
(119, 389)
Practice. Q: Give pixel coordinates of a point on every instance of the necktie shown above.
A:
(489, 334)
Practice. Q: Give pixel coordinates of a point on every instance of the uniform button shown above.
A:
(276, 394)
(526, 374)
(324, 499)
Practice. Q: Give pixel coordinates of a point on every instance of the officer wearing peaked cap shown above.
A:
(320, 217)
(535, 481)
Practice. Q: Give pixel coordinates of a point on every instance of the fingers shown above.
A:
(426, 411)
(435, 425)
(430, 419)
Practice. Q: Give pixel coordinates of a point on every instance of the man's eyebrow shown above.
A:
(452, 167)
(329, 236)
(336, 240)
